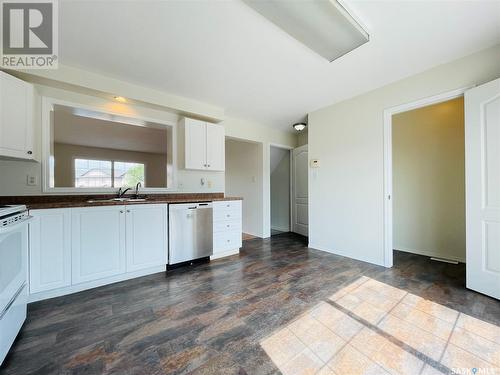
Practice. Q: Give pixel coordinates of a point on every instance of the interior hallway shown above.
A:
(276, 307)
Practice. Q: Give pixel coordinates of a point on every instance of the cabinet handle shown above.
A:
(128, 210)
(208, 165)
(121, 211)
(30, 152)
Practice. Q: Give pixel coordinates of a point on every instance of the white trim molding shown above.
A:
(48, 104)
(388, 113)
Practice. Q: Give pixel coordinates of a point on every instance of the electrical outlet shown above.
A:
(31, 180)
(209, 183)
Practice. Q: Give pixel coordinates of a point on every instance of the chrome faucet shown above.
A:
(137, 186)
(121, 192)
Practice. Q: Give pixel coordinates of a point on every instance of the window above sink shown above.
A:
(92, 151)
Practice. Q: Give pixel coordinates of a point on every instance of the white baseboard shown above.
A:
(224, 254)
(342, 254)
(94, 284)
(252, 234)
(281, 229)
(434, 254)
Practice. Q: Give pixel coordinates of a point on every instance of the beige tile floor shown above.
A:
(370, 327)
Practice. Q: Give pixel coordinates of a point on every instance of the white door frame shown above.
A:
(388, 113)
(284, 147)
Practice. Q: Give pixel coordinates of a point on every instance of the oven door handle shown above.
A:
(11, 227)
(12, 300)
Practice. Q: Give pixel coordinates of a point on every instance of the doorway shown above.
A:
(280, 177)
(424, 170)
(243, 178)
(428, 181)
(481, 142)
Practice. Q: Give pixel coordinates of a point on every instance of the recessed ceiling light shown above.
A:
(324, 26)
(299, 126)
(120, 99)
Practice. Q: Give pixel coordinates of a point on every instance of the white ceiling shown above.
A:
(224, 53)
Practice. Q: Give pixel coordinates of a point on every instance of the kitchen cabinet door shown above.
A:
(146, 228)
(215, 147)
(195, 144)
(16, 117)
(98, 242)
(50, 249)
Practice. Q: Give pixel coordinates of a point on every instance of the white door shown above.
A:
(16, 117)
(195, 144)
(300, 197)
(146, 228)
(482, 166)
(97, 242)
(215, 147)
(50, 249)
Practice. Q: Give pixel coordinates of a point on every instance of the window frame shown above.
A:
(47, 106)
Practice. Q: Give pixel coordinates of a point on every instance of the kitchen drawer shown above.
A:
(227, 205)
(227, 241)
(227, 226)
(227, 214)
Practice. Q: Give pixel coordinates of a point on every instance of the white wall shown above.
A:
(428, 186)
(97, 91)
(280, 189)
(247, 130)
(346, 196)
(14, 173)
(302, 138)
(244, 179)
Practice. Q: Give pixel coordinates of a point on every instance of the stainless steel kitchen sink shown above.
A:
(132, 200)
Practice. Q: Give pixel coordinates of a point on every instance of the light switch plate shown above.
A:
(315, 163)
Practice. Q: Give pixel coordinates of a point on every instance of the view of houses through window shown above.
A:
(107, 173)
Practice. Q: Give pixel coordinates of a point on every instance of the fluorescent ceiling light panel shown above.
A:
(324, 26)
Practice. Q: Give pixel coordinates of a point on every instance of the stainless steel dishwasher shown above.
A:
(190, 232)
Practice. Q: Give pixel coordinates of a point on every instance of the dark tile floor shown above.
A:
(212, 318)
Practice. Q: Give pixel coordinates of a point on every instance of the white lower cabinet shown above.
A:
(146, 228)
(97, 242)
(227, 235)
(73, 249)
(50, 249)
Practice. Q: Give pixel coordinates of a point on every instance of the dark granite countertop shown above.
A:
(64, 201)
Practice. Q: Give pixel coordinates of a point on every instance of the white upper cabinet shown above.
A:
(146, 231)
(16, 117)
(195, 144)
(215, 147)
(204, 145)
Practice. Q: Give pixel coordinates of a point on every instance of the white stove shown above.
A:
(10, 214)
(14, 273)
